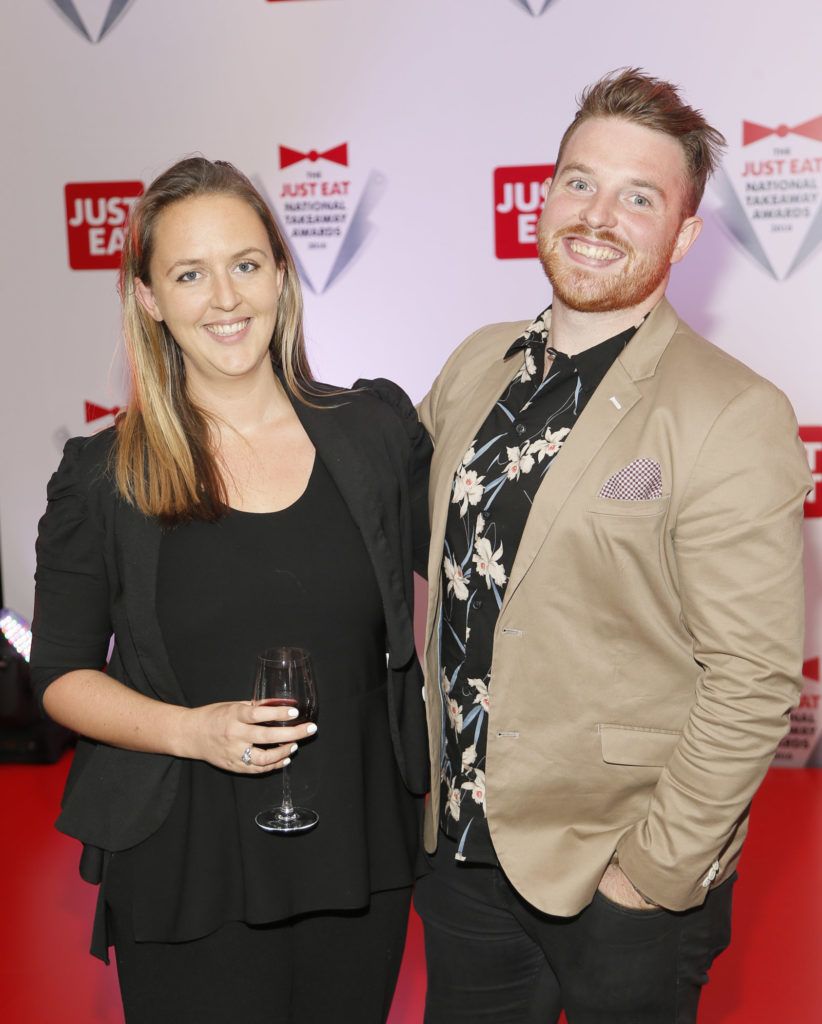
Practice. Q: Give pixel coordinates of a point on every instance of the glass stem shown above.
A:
(286, 809)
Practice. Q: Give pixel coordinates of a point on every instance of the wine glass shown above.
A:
(285, 678)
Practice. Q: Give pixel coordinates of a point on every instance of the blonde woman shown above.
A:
(236, 505)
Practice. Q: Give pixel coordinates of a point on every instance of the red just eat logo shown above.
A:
(812, 436)
(517, 205)
(96, 213)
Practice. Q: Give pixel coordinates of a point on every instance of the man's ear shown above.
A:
(688, 234)
(546, 185)
(145, 296)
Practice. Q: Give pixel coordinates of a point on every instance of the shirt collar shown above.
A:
(535, 333)
(592, 364)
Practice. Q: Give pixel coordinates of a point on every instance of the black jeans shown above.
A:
(493, 957)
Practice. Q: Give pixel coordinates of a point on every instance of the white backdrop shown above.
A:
(425, 100)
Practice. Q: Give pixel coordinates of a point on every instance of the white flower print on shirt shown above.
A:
(550, 444)
(529, 368)
(480, 524)
(483, 697)
(519, 461)
(456, 579)
(469, 755)
(487, 562)
(476, 787)
(452, 807)
(467, 489)
(454, 714)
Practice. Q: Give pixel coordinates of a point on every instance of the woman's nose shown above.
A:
(225, 295)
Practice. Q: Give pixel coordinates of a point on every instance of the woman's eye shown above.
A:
(246, 266)
(189, 275)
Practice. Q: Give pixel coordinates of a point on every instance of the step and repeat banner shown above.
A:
(401, 144)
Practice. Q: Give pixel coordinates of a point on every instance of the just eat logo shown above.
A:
(812, 438)
(517, 206)
(96, 214)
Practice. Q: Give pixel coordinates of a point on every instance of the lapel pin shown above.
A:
(615, 401)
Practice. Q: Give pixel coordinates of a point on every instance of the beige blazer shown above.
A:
(648, 652)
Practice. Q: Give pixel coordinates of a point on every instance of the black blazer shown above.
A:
(96, 576)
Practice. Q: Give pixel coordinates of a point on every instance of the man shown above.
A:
(615, 612)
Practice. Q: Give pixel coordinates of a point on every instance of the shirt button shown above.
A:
(478, 602)
(520, 429)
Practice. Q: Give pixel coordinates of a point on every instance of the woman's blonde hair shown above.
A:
(163, 459)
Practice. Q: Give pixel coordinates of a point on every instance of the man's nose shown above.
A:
(600, 211)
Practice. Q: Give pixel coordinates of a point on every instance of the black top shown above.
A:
(226, 591)
(493, 490)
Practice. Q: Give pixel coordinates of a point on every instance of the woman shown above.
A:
(236, 505)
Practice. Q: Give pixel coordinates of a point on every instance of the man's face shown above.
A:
(612, 223)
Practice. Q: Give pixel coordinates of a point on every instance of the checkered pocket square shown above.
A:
(640, 480)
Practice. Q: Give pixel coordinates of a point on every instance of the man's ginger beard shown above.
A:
(590, 291)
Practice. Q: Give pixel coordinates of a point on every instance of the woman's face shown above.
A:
(215, 283)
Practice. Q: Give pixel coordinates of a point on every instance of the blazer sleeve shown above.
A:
(419, 463)
(72, 626)
(427, 408)
(738, 550)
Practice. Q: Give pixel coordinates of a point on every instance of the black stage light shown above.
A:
(26, 735)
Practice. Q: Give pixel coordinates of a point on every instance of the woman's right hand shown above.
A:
(221, 733)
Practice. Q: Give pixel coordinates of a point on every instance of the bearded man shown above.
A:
(615, 615)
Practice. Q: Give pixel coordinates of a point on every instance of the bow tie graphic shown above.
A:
(337, 154)
(97, 412)
(752, 132)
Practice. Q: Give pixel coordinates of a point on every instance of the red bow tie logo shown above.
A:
(338, 155)
(97, 412)
(752, 132)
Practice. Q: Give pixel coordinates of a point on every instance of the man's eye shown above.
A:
(578, 186)
(640, 201)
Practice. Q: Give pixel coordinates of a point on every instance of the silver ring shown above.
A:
(246, 758)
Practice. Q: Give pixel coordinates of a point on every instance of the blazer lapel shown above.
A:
(139, 540)
(357, 482)
(616, 395)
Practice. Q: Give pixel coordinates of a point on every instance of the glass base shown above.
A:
(300, 819)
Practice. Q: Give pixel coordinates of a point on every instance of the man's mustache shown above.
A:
(602, 235)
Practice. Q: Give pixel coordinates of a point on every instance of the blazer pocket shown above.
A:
(629, 506)
(630, 745)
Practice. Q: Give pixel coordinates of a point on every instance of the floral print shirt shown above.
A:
(493, 489)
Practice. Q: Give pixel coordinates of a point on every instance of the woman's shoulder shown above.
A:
(384, 397)
(374, 414)
(84, 464)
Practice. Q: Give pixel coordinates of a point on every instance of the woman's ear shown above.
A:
(145, 296)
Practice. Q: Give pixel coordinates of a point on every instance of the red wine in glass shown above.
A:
(285, 678)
